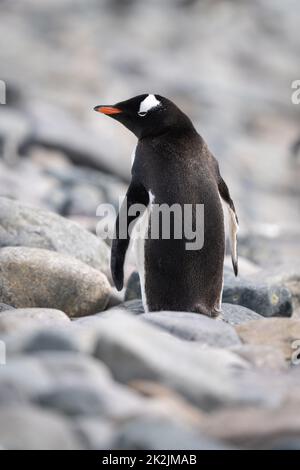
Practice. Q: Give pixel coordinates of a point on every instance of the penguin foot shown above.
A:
(199, 308)
(215, 313)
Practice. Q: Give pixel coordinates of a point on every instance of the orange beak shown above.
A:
(107, 110)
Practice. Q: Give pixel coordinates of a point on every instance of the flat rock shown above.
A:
(4, 307)
(155, 433)
(95, 433)
(253, 428)
(110, 400)
(28, 318)
(25, 225)
(235, 314)
(22, 378)
(70, 367)
(33, 277)
(284, 274)
(204, 376)
(280, 333)
(194, 327)
(48, 340)
(25, 427)
(262, 356)
(260, 296)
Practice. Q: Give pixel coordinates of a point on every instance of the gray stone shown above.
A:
(21, 378)
(109, 399)
(94, 433)
(25, 427)
(194, 327)
(83, 199)
(28, 318)
(24, 225)
(271, 251)
(134, 306)
(4, 307)
(66, 367)
(153, 433)
(246, 267)
(253, 428)
(33, 277)
(236, 314)
(287, 275)
(59, 130)
(133, 349)
(133, 289)
(262, 356)
(261, 297)
(49, 340)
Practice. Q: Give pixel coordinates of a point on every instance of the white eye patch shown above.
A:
(148, 103)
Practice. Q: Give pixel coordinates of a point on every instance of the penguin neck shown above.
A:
(183, 125)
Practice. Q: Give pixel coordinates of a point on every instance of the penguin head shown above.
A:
(146, 115)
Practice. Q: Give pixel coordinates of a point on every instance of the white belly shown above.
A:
(139, 234)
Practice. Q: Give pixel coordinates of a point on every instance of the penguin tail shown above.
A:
(235, 266)
(233, 230)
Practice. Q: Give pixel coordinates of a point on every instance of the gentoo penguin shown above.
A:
(172, 165)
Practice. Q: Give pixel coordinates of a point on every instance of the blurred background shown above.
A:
(228, 64)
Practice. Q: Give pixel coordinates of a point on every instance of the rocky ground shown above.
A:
(86, 369)
(83, 367)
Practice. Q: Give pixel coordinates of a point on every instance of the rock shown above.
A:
(285, 443)
(33, 277)
(287, 275)
(153, 433)
(204, 376)
(108, 400)
(49, 340)
(59, 130)
(14, 128)
(279, 333)
(115, 299)
(272, 251)
(4, 307)
(21, 378)
(246, 267)
(268, 300)
(194, 327)
(95, 433)
(133, 289)
(25, 427)
(73, 177)
(252, 428)
(83, 199)
(66, 368)
(132, 306)
(235, 314)
(28, 318)
(24, 225)
(261, 356)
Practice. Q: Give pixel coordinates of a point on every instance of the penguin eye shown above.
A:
(142, 113)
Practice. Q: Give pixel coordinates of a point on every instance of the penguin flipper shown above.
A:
(233, 222)
(136, 194)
